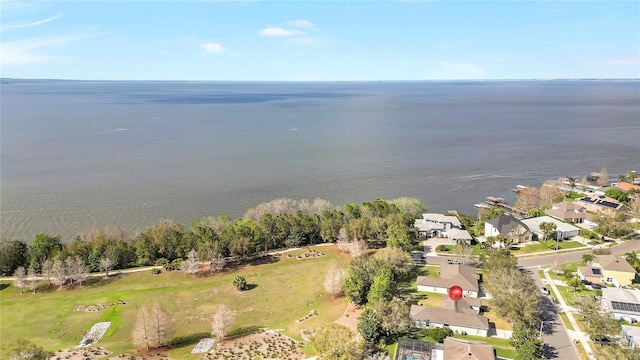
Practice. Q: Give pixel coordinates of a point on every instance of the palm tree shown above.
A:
(572, 183)
(588, 258)
(632, 259)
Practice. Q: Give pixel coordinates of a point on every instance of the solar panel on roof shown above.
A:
(625, 306)
(596, 271)
(608, 204)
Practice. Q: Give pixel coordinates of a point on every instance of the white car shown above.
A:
(544, 290)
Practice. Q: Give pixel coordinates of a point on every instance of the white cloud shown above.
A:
(461, 71)
(301, 23)
(35, 23)
(213, 48)
(280, 32)
(27, 51)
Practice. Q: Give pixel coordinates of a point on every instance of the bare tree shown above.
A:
(316, 207)
(59, 273)
(160, 325)
(465, 253)
(191, 265)
(223, 319)
(217, 263)
(334, 281)
(32, 280)
(528, 199)
(20, 276)
(343, 240)
(70, 269)
(550, 193)
(141, 329)
(603, 179)
(106, 263)
(556, 265)
(46, 269)
(357, 247)
(81, 270)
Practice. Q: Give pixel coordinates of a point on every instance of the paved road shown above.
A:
(619, 249)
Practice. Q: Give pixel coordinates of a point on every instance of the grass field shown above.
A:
(539, 247)
(282, 292)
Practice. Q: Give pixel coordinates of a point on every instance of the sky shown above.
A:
(319, 40)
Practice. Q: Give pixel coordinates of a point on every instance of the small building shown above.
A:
(632, 335)
(514, 229)
(462, 349)
(429, 317)
(622, 303)
(442, 226)
(452, 274)
(568, 211)
(615, 269)
(563, 230)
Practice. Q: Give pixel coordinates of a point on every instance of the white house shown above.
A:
(622, 303)
(428, 317)
(563, 230)
(452, 274)
(442, 226)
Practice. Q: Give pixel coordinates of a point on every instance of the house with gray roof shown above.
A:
(563, 230)
(443, 226)
(632, 335)
(568, 211)
(429, 317)
(452, 274)
(507, 225)
(622, 303)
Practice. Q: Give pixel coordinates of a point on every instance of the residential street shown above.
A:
(619, 249)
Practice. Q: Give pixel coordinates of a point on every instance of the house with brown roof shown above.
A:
(610, 269)
(625, 186)
(467, 305)
(429, 317)
(462, 349)
(568, 211)
(452, 274)
(514, 229)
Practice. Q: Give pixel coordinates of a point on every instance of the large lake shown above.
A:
(76, 154)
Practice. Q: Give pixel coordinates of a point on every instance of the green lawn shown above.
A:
(477, 250)
(539, 247)
(284, 291)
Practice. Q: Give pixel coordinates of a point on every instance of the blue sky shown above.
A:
(319, 41)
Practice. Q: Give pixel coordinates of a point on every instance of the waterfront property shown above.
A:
(563, 230)
(568, 211)
(622, 303)
(442, 226)
(429, 317)
(597, 203)
(452, 274)
(515, 230)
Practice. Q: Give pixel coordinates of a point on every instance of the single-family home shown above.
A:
(429, 317)
(563, 230)
(463, 349)
(622, 303)
(632, 335)
(442, 226)
(514, 229)
(595, 203)
(568, 211)
(452, 274)
(467, 305)
(615, 269)
(625, 186)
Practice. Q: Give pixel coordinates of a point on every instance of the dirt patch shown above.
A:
(310, 254)
(350, 317)
(81, 354)
(98, 307)
(267, 345)
(310, 315)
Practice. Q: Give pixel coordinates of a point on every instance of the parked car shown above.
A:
(596, 286)
(453, 261)
(544, 290)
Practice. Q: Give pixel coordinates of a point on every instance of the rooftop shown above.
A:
(460, 349)
(448, 317)
(614, 263)
(453, 274)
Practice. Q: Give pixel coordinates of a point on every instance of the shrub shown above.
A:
(156, 271)
(442, 248)
(438, 334)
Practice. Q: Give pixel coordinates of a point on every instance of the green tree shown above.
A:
(44, 247)
(440, 333)
(587, 259)
(514, 295)
(572, 184)
(369, 325)
(394, 315)
(548, 228)
(410, 207)
(239, 282)
(397, 260)
(493, 259)
(383, 286)
(399, 236)
(531, 349)
(336, 342)
(617, 194)
(521, 333)
(13, 254)
(358, 282)
(21, 349)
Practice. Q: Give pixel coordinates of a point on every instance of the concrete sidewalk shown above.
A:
(579, 335)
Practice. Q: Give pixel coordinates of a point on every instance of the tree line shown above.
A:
(278, 224)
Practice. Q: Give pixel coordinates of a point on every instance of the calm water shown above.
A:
(76, 154)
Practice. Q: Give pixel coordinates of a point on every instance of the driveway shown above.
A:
(431, 244)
